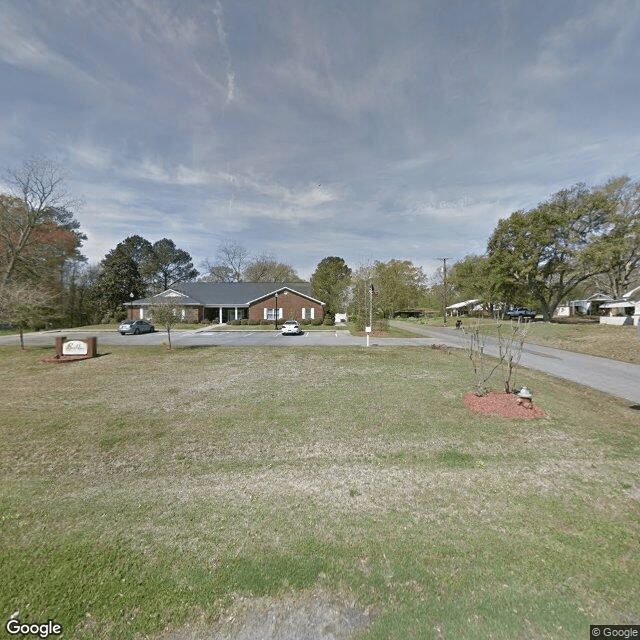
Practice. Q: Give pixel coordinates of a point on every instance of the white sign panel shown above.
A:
(74, 348)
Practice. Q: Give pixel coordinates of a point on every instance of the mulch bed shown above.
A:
(507, 405)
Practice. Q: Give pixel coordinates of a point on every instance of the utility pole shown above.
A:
(444, 290)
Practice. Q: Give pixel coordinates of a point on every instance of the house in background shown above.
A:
(588, 307)
(464, 308)
(625, 310)
(221, 302)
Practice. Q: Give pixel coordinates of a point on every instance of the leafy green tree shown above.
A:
(470, 279)
(541, 253)
(400, 285)
(617, 253)
(330, 282)
(119, 281)
(163, 263)
(137, 248)
(388, 287)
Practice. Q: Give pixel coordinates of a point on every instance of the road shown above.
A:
(619, 379)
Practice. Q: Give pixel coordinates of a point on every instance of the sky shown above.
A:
(364, 129)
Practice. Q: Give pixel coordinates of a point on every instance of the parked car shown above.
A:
(135, 327)
(291, 328)
(520, 312)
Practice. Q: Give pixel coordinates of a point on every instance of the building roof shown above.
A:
(170, 294)
(459, 305)
(619, 304)
(226, 294)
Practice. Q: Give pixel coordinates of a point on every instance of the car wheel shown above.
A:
(136, 332)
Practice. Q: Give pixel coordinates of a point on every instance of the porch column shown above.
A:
(235, 309)
(219, 315)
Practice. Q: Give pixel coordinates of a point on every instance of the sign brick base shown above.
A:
(73, 350)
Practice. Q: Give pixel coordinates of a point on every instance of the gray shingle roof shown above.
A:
(230, 294)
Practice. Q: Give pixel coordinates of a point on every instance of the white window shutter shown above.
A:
(304, 313)
(313, 313)
(265, 313)
(280, 310)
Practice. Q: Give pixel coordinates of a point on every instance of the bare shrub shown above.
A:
(510, 344)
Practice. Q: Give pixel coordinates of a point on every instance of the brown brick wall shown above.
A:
(290, 303)
(192, 315)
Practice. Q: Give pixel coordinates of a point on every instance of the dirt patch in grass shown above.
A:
(507, 405)
(302, 616)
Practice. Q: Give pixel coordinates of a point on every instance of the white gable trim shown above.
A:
(171, 293)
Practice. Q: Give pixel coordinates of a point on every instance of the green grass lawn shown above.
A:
(144, 490)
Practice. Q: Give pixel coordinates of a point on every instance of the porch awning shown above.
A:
(618, 305)
(459, 305)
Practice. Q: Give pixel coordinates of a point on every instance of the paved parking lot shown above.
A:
(199, 337)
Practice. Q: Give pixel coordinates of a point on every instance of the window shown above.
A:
(270, 313)
(308, 314)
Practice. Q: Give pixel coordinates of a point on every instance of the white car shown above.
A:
(291, 327)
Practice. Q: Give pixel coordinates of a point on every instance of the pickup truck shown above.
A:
(520, 312)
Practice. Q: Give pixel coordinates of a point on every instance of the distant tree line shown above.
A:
(579, 239)
(234, 263)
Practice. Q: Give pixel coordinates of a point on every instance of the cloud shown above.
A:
(21, 46)
(310, 197)
(580, 44)
(222, 38)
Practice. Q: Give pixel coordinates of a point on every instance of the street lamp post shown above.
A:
(276, 310)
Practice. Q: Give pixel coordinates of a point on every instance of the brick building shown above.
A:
(220, 302)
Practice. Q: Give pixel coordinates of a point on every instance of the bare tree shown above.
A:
(164, 313)
(230, 262)
(216, 272)
(510, 350)
(39, 196)
(510, 346)
(22, 303)
(482, 370)
(266, 268)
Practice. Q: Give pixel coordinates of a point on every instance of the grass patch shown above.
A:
(144, 490)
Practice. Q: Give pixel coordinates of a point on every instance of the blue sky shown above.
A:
(366, 129)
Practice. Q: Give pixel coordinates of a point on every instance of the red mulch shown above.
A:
(505, 404)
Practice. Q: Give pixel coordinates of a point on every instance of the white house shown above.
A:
(625, 310)
(462, 308)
